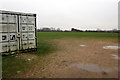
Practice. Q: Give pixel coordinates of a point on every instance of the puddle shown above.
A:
(94, 68)
(82, 45)
(115, 56)
(111, 47)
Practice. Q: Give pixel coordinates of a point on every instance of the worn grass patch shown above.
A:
(44, 46)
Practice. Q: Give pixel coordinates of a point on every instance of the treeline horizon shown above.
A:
(75, 30)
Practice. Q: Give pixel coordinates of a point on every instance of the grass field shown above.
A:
(44, 37)
(57, 35)
(11, 64)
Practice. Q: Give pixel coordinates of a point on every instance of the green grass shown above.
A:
(43, 48)
(57, 35)
(11, 65)
(44, 45)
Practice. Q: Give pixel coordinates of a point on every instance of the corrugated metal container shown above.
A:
(119, 15)
(17, 32)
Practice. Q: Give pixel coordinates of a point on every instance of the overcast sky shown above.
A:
(67, 14)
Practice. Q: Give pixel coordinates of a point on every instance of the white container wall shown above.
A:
(17, 31)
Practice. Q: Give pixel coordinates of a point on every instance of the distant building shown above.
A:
(75, 30)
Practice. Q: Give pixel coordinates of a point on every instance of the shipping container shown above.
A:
(17, 32)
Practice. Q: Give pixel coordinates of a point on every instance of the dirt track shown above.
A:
(74, 61)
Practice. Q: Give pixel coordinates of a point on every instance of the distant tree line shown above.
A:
(75, 30)
(49, 30)
(98, 30)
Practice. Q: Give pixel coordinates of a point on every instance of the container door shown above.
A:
(9, 30)
(27, 31)
(0, 31)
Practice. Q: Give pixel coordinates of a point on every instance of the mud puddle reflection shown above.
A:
(94, 68)
(115, 56)
(111, 47)
(82, 45)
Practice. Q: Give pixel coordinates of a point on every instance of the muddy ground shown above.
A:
(71, 60)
